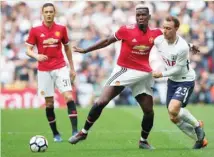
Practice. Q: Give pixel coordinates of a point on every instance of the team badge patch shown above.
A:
(173, 57)
(151, 40)
(57, 33)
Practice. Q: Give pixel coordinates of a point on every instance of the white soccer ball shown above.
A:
(38, 143)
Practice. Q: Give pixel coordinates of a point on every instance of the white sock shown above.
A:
(142, 139)
(186, 116)
(84, 131)
(187, 129)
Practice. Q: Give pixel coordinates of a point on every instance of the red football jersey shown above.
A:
(49, 42)
(136, 46)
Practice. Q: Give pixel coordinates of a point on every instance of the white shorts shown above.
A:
(49, 80)
(139, 82)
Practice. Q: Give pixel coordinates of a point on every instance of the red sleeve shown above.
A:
(121, 33)
(32, 37)
(65, 39)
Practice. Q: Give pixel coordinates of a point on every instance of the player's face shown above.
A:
(48, 14)
(169, 30)
(142, 17)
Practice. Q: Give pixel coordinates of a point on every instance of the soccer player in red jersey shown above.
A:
(52, 70)
(132, 70)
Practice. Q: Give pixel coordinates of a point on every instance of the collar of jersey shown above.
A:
(48, 27)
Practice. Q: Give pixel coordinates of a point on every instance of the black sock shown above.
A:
(93, 115)
(52, 120)
(147, 124)
(72, 113)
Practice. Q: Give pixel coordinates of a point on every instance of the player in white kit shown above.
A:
(174, 50)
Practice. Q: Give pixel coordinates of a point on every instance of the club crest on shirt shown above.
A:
(173, 57)
(151, 40)
(57, 33)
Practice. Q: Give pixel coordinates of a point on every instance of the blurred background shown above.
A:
(87, 22)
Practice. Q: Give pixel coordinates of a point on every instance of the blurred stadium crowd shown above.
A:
(87, 22)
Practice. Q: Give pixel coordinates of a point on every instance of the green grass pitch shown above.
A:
(115, 134)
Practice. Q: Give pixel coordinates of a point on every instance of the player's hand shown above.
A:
(41, 57)
(157, 74)
(72, 75)
(194, 49)
(78, 49)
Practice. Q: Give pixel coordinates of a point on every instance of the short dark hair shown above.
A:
(48, 5)
(173, 19)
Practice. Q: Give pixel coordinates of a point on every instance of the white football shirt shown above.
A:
(176, 59)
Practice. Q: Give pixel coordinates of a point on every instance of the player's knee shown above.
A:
(174, 119)
(102, 102)
(68, 97)
(148, 112)
(50, 103)
(173, 111)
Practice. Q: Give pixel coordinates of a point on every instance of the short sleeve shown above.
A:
(65, 39)
(121, 33)
(31, 38)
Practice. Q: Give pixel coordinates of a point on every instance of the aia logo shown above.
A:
(168, 62)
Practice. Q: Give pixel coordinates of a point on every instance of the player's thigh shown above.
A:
(45, 84)
(62, 80)
(143, 92)
(144, 84)
(183, 92)
(108, 93)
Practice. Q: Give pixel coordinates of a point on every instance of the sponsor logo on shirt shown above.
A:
(141, 49)
(50, 42)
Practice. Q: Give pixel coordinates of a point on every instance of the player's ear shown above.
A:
(149, 16)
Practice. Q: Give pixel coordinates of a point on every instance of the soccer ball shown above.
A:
(38, 143)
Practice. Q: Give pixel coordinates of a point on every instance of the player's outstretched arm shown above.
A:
(100, 44)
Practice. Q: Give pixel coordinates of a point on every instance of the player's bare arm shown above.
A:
(38, 57)
(70, 60)
(100, 44)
